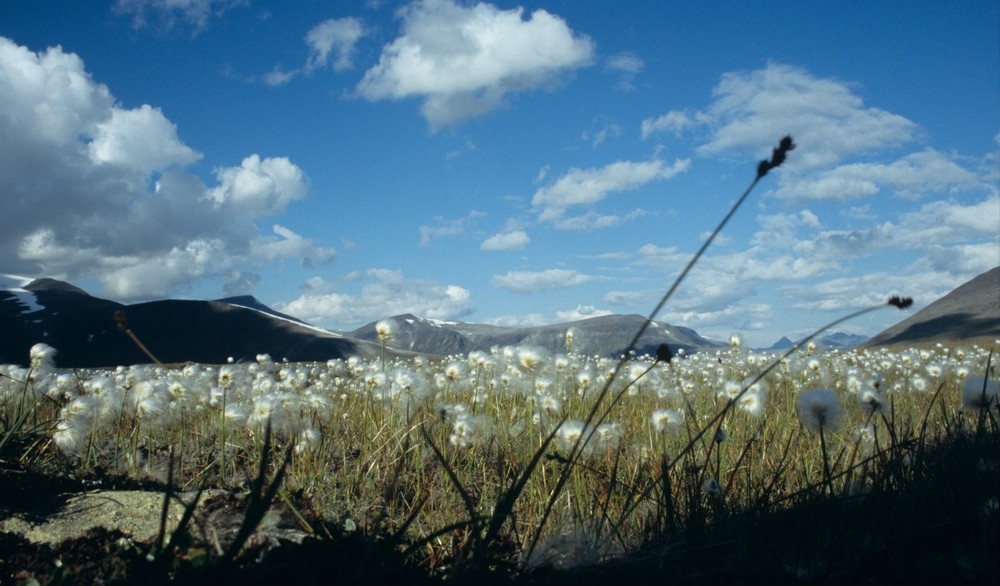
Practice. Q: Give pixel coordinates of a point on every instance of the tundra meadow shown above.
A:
(542, 464)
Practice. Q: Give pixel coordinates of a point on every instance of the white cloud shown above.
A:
(581, 312)
(828, 121)
(633, 298)
(675, 122)
(384, 293)
(627, 62)
(446, 228)
(627, 65)
(333, 40)
(599, 137)
(168, 13)
(291, 245)
(515, 240)
(592, 220)
(141, 138)
(752, 110)
(278, 76)
(465, 61)
(530, 320)
(166, 272)
(720, 323)
(529, 282)
(916, 175)
(933, 226)
(336, 36)
(259, 187)
(948, 222)
(585, 187)
(75, 169)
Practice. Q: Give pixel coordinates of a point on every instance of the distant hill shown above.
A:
(836, 340)
(83, 330)
(601, 336)
(969, 313)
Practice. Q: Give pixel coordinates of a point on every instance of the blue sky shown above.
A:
(507, 163)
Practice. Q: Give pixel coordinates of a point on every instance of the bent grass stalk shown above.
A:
(777, 158)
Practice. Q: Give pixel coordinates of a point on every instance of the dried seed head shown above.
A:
(900, 302)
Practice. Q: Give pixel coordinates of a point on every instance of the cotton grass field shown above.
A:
(524, 458)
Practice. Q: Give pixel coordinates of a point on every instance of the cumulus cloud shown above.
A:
(529, 282)
(585, 187)
(259, 187)
(464, 61)
(93, 190)
(142, 139)
(383, 293)
(515, 240)
(167, 14)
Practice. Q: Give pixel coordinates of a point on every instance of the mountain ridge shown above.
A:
(82, 328)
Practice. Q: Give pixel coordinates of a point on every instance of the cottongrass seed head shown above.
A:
(819, 410)
(666, 419)
(979, 393)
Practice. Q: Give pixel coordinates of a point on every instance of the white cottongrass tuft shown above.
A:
(384, 329)
(43, 357)
(871, 401)
(752, 404)
(464, 430)
(819, 410)
(666, 419)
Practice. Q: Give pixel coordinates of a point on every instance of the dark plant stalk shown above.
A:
(124, 327)
(778, 156)
(260, 497)
(828, 481)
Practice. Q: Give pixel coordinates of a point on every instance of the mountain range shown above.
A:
(84, 330)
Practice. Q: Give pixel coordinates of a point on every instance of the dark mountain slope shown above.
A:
(969, 313)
